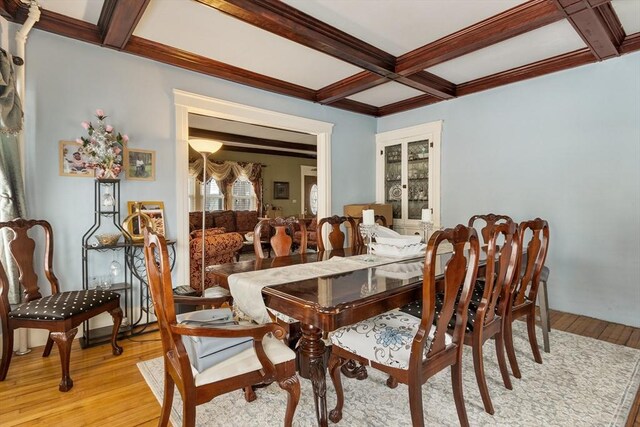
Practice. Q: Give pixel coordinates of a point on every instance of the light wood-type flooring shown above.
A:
(110, 391)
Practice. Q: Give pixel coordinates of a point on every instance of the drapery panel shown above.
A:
(12, 200)
(226, 174)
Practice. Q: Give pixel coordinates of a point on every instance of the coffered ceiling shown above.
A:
(374, 57)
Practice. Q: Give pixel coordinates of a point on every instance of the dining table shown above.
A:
(324, 304)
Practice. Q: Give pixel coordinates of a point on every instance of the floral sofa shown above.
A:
(224, 231)
(312, 236)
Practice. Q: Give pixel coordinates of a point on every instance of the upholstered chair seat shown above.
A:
(63, 305)
(244, 362)
(385, 338)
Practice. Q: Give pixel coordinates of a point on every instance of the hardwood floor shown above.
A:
(109, 390)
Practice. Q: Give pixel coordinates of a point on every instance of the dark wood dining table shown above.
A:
(325, 304)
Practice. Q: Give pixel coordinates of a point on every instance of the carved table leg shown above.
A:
(353, 370)
(312, 349)
(64, 341)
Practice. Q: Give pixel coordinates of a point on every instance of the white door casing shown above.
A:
(185, 103)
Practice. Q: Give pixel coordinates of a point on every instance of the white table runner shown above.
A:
(246, 288)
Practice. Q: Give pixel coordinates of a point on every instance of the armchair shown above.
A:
(220, 248)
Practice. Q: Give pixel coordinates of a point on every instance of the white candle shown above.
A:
(368, 217)
(426, 215)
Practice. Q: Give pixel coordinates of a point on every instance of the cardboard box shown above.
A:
(355, 210)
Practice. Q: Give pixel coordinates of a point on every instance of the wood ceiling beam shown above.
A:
(430, 84)
(513, 22)
(345, 87)
(244, 139)
(356, 107)
(268, 152)
(408, 104)
(597, 25)
(118, 19)
(279, 18)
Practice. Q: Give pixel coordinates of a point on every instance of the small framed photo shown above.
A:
(154, 210)
(140, 165)
(280, 190)
(72, 162)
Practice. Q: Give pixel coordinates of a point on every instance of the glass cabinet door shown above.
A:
(393, 178)
(417, 178)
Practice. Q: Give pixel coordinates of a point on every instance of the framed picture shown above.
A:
(140, 165)
(72, 162)
(154, 210)
(280, 190)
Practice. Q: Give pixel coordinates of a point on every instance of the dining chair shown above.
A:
(490, 302)
(524, 290)
(543, 299)
(411, 349)
(281, 232)
(264, 360)
(336, 236)
(491, 220)
(61, 312)
(378, 219)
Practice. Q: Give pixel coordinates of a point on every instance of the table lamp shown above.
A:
(205, 147)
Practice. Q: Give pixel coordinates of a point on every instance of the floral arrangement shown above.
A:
(103, 149)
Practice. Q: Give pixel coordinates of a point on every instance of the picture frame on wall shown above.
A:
(140, 165)
(154, 210)
(280, 190)
(72, 162)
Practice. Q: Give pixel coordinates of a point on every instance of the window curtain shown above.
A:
(12, 200)
(226, 174)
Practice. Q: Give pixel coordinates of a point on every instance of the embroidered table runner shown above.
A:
(246, 288)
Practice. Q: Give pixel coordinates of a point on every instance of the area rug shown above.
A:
(582, 381)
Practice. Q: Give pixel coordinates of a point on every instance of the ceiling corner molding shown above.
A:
(598, 26)
(118, 19)
(281, 19)
(513, 22)
(535, 69)
(631, 43)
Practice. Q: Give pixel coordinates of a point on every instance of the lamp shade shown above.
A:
(205, 145)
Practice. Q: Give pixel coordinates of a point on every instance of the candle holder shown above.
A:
(368, 232)
(427, 229)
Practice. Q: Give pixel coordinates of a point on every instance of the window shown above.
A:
(313, 199)
(244, 198)
(215, 198)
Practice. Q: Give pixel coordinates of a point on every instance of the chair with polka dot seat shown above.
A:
(60, 312)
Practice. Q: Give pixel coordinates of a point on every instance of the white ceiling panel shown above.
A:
(629, 13)
(385, 94)
(200, 29)
(400, 26)
(543, 43)
(84, 10)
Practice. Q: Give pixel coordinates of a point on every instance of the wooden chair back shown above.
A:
(22, 249)
(527, 278)
(379, 219)
(336, 236)
(282, 239)
(490, 220)
(502, 263)
(161, 289)
(459, 278)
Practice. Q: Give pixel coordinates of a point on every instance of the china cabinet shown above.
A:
(408, 174)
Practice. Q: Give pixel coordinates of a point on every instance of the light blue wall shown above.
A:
(564, 147)
(67, 80)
